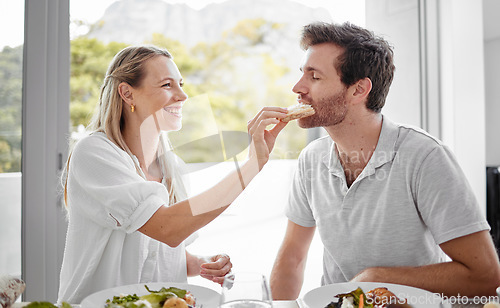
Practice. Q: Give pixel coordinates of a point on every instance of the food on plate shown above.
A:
(298, 111)
(353, 299)
(175, 302)
(382, 296)
(163, 298)
(10, 289)
(376, 298)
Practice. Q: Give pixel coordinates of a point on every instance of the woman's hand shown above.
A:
(216, 268)
(263, 140)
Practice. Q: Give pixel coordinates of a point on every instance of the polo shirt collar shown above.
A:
(384, 152)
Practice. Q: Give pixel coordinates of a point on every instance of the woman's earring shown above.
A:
(132, 107)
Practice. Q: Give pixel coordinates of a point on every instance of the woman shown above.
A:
(129, 221)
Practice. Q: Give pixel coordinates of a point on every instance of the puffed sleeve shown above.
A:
(103, 185)
(445, 199)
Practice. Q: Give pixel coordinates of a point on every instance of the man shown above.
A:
(389, 201)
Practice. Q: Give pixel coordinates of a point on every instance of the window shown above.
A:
(11, 67)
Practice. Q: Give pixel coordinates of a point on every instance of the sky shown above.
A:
(12, 13)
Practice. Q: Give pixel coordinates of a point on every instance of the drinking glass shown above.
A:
(245, 290)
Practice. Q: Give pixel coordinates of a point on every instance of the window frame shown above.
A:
(45, 126)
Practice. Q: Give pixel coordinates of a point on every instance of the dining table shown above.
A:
(300, 304)
(276, 304)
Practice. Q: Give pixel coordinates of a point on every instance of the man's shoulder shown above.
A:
(418, 134)
(416, 139)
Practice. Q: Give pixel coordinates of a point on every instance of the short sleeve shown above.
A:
(445, 199)
(103, 185)
(298, 209)
(190, 239)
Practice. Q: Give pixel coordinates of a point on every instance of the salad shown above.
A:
(163, 298)
(376, 298)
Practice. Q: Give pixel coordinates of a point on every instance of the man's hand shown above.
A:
(474, 269)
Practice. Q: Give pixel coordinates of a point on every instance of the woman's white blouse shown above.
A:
(107, 202)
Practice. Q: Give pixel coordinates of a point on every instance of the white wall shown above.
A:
(462, 88)
(10, 223)
(398, 23)
(450, 104)
(492, 83)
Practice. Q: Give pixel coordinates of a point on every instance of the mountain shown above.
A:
(133, 21)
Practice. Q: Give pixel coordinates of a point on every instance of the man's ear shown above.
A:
(125, 91)
(362, 88)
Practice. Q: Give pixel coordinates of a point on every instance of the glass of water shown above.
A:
(245, 290)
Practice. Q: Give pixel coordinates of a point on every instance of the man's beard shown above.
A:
(329, 111)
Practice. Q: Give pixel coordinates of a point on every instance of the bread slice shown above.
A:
(298, 111)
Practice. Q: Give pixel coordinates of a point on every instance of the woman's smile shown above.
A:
(174, 110)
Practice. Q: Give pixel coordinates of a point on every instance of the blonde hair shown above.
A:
(128, 66)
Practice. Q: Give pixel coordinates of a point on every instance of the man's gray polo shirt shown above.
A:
(411, 197)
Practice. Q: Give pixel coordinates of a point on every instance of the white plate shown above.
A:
(204, 296)
(320, 297)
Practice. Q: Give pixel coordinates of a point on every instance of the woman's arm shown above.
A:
(172, 225)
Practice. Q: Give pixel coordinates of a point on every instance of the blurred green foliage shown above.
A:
(89, 61)
(11, 64)
(236, 76)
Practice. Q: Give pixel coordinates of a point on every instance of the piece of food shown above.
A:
(10, 289)
(382, 297)
(376, 298)
(175, 302)
(189, 298)
(350, 300)
(163, 298)
(298, 111)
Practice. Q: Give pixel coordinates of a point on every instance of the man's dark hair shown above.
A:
(365, 55)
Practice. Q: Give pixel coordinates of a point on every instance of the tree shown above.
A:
(11, 60)
(89, 61)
